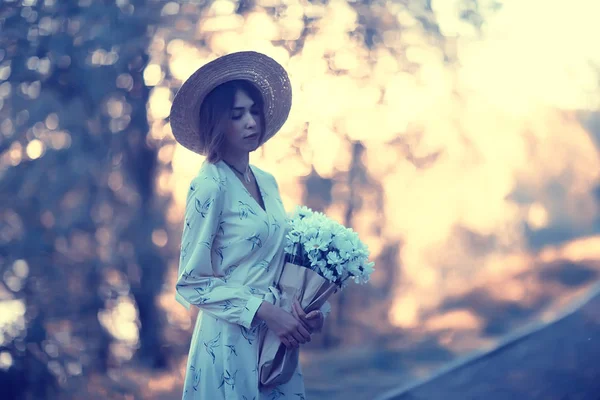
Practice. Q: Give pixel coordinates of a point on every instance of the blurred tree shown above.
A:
(78, 201)
(364, 28)
(82, 233)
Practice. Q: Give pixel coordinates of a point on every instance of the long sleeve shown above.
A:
(197, 283)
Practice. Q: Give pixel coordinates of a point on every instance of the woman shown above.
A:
(232, 242)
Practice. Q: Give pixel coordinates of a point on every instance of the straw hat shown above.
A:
(265, 73)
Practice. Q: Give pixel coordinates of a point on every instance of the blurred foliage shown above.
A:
(84, 240)
(353, 65)
(77, 193)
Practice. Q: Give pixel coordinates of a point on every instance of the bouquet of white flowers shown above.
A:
(321, 255)
(328, 248)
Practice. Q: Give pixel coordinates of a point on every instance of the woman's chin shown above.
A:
(252, 146)
(245, 148)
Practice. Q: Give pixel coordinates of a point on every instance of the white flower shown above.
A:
(291, 247)
(301, 226)
(334, 258)
(354, 267)
(368, 269)
(293, 236)
(343, 246)
(311, 231)
(337, 229)
(315, 244)
(327, 273)
(334, 251)
(316, 262)
(325, 233)
(340, 269)
(302, 212)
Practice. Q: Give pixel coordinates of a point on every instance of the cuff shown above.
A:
(249, 311)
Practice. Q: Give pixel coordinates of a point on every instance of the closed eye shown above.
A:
(239, 116)
(238, 112)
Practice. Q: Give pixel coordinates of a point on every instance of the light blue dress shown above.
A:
(231, 257)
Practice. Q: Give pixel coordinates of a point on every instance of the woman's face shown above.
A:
(244, 127)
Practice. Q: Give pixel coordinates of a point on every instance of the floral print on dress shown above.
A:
(202, 207)
(184, 251)
(219, 252)
(244, 209)
(227, 305)
(231, 254)
(220, 182)
(250, 334)
(228, 379)
(225, 278)
(276, 226)
(212, 345)
(255, 240)
(264, 264)
(204, 289)
(221, 229)
(276, 394)
(231, 348)
(196, 375)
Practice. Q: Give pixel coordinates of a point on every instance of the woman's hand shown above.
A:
(289, 329)
(313, 321)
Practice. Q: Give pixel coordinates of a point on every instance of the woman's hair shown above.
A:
(215, 112)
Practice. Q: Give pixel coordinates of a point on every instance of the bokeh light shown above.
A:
(451, 135)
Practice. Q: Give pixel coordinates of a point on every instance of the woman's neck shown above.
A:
(239, 161)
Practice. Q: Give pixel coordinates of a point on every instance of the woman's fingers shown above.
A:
(285, 342)
(317, 321)
(294, 312)
(304, 333)
(297, 337)
(302, 316)
(298, 307)
(300, 333)
(291, 342)
(302, 320)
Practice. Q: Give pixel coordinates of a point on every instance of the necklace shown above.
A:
(245, 175)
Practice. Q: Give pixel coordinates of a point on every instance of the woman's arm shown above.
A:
(197, 284)
(289, 329)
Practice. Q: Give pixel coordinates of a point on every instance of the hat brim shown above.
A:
(269, 77)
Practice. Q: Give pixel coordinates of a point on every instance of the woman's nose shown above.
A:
(250, 121)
